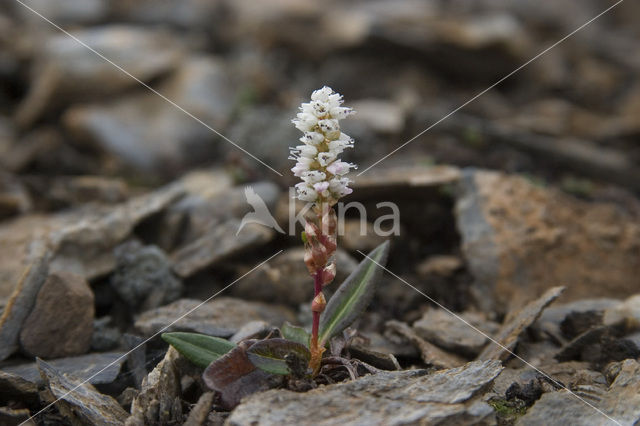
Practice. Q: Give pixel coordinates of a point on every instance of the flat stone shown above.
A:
(217, 245)
(519, 239)
(627, 313)
(443, 329)
(517, 322)
(388, 398)
(68, 72)
(620, 402)
(82, 367)
(222, 317)
(398, 178)
(144, 133)
(286, 280)
(431, 354)
(78, 401)
(211, 201)
(51, 332)
(23, 299)
(85, 247)
(551, 319)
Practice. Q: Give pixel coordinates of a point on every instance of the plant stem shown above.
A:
(316, 352)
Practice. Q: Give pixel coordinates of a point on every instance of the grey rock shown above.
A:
(158, 401)
(51, 332)
(519, 239)
(389, 398)
(248, 132)
(516, 323)
(285, 279)
(145, 133)
(448, 332)
(78, 401)
(143, 277)
(551, 319)
(393, 179)
(203, 208)
(627, 312)
(85, 245)
(105, 337)
(67, 71)
(222, 316)
(430, 353)
(84, 367)
(217, 245)
(620, 402)
(15, 387)
(23, 299)
(67, 11)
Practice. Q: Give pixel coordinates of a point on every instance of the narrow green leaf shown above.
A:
(277, 356)
(200, 349)
(295, 334)
(354, 294)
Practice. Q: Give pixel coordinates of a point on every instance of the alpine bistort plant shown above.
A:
(253, 364)
(323, 183)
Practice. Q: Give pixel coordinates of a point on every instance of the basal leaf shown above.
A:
(200, 349)
(354, 294)
(295, 333)
(278, 356)
(235, 377)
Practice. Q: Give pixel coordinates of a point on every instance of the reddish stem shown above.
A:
(317, 285)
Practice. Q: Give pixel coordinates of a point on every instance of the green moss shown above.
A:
(507, 412)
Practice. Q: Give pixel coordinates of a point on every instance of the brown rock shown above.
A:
(23, 296)
(61, 322)
(519, 239)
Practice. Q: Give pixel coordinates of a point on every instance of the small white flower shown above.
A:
(339, 168)
(317, 162)
(309, 151)
(314, 176)
(321, 94)
(312, 138)
(305, 121)
(325, 158)
(321, 187)
(341, 112)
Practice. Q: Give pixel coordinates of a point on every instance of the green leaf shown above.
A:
(295, 333)
(278, 356)
(200, 349)
(354, 294)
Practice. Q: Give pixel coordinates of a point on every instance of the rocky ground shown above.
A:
(520, 217)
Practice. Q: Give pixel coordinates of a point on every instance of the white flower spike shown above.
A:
(317, 162)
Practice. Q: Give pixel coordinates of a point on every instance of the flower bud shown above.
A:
(319, 303)
(328, 274)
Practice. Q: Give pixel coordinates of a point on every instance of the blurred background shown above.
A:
(571, 117)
